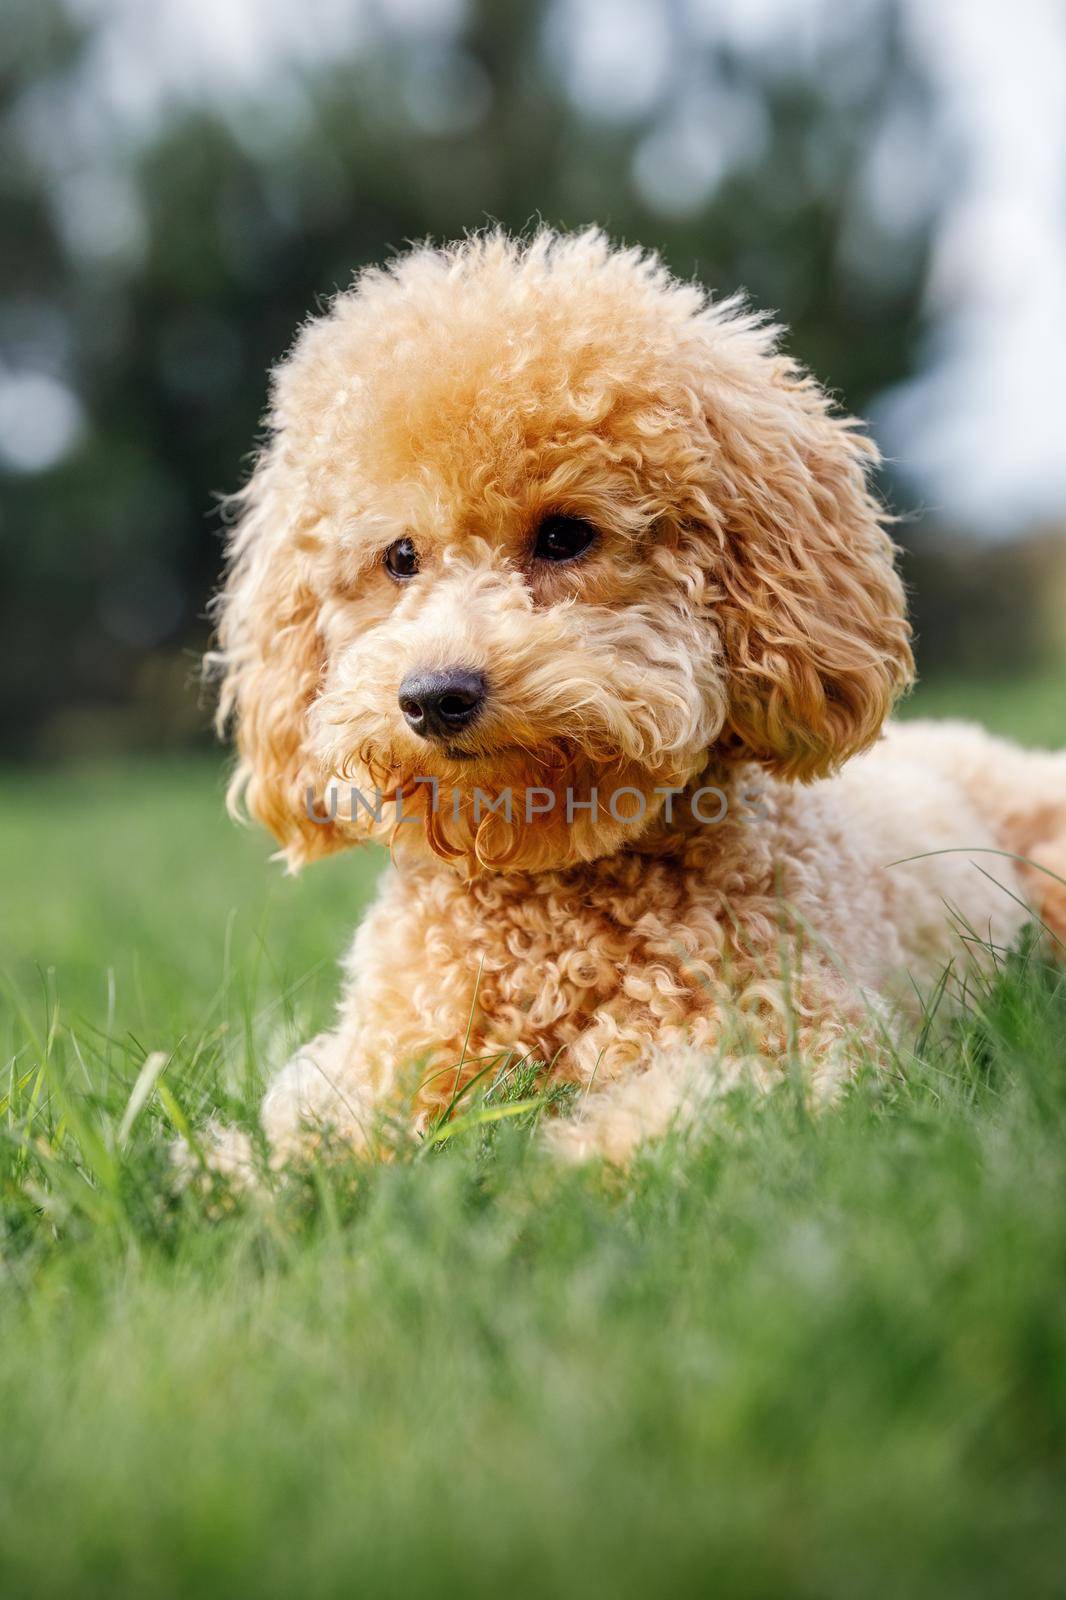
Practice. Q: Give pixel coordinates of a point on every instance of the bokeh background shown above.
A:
(182, 180)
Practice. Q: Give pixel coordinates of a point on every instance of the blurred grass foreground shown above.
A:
(785, 1356)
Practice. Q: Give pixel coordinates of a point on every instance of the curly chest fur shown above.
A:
(583, 969)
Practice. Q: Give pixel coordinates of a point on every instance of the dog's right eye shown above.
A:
(561, 539)
(401, 560)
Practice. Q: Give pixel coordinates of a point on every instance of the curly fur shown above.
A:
(739, 621)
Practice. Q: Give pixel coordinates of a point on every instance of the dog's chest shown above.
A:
(643, 941)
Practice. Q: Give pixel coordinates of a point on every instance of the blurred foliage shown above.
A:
(160, 291)
(988, 609)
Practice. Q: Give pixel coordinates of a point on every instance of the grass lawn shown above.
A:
(1031, 709)
(785, 1358)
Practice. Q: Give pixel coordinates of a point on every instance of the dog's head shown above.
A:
(537, 517)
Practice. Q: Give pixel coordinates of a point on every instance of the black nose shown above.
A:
(440, 704)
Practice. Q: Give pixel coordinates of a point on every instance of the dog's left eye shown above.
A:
(563, 539)
(401, 560)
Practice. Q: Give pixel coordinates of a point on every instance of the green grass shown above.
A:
(788, 1357)
(1030, 709)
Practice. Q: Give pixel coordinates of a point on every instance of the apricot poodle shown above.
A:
(561, 579)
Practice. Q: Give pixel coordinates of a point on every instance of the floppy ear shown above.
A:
(270, 662)
(811, 611)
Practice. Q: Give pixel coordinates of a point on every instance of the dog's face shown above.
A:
(536, 520)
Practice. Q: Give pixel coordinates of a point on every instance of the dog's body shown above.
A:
(538, 520)
(807, 925)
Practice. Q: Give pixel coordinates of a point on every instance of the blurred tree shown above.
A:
(154, 292)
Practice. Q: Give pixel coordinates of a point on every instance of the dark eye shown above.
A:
(401, 560)
(563, 539)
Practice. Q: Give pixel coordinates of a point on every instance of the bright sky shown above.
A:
(980, 431)
(983, 429)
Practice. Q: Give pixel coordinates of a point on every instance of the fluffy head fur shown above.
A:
(740, 602)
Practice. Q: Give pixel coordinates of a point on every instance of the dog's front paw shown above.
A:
(317, 1100)
(222, 1157)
